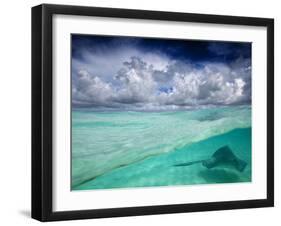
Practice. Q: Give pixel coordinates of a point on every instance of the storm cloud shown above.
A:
(135, 74)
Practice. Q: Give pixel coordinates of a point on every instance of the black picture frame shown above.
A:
(42, 111)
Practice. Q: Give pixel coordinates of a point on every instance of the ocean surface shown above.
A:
(124, 149)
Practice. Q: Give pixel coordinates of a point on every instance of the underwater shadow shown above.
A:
(209, 117)
(219, 176)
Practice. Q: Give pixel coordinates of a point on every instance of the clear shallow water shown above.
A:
(138, 149)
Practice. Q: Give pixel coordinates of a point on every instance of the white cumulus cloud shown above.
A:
(157, 82)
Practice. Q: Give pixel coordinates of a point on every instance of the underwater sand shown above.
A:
(139, 149)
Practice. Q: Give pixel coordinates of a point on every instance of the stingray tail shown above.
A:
(189, 163)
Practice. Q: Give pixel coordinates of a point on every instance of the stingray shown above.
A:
(221, 157)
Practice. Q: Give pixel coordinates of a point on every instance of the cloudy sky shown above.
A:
(157, 74)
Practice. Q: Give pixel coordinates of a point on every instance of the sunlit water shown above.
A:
(139, 149)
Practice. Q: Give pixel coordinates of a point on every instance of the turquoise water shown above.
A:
(139, 149)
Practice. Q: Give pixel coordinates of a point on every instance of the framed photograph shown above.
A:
(145, 112)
